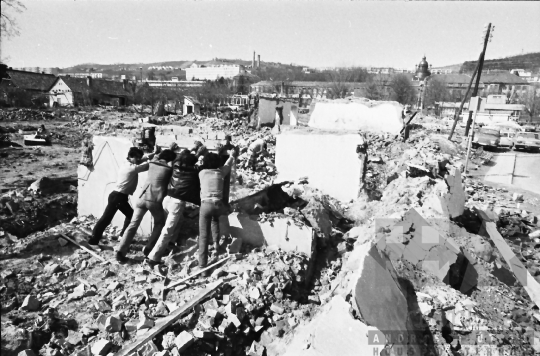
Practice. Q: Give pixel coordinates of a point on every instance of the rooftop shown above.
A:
(31, 80)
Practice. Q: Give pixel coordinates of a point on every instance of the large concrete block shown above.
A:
(335, 332)
(417, 241)
(96, 184)
(328, 159)
(378, 296)
(339, 115)
(280, 232)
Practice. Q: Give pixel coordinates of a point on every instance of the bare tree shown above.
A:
(532, 102)
(377, 87)
(8, 25)
(147, 95)
(436, 91)
(402, 89)
(339, 79)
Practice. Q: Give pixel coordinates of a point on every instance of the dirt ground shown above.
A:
(22, 164)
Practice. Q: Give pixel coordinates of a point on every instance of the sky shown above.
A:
(62, 33)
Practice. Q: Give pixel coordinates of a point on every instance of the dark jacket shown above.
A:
(185, 184)
(159, 175)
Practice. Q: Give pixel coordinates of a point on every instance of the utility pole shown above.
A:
(479, 74)
(456, 114)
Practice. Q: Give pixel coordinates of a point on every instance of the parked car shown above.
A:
(507, 139)
(487, 137)
(527, 140)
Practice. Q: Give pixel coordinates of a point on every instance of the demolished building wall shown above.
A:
(328, 159)
(96, 183)
(365, 116)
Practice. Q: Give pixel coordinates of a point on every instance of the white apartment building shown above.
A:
(227, 71)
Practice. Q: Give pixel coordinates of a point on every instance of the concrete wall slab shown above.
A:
(96, 184)
(328, 159)
(382, 117)
(281, 232)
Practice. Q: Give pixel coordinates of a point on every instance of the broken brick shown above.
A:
(201, 334)
(52, 268)
(30, 303)
(27, 352)
(256, 349)
(276, 308)
(183, 341)
(101, 347)
(113, 324)
(144, 322)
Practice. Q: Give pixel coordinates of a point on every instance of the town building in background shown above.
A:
(213, 70)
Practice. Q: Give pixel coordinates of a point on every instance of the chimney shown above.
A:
(258, 61)
(89, 81)
(125, 84)
(253, 61)
(282, 88)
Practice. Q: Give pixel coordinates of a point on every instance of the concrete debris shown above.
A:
(101, 347)
(27, 352)
(183, 341)
(30, 303)
(144, 321)
(336, 332)
(482, 248)
(113, 324)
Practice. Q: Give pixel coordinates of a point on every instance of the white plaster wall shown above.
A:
(329, 160)
(385, 117)
(60, 89)
(96, 184)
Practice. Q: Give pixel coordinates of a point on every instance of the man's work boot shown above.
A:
(121, 258)
(146, 250)
(94, 241)
(152, 263)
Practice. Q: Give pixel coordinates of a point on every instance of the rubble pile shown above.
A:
(492, 320)
(25, 115)
(500, 200)
(59, 299)
(44, 204)
(265, 292)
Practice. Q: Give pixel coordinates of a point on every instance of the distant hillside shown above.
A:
(452, 67)
(530, 62)
(120, 67)
(132, 70)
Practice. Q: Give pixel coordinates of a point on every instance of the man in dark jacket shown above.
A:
(184, 186)
(223, 153)
(155, 190)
